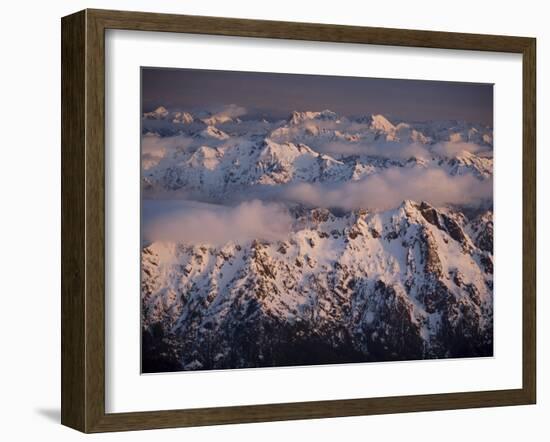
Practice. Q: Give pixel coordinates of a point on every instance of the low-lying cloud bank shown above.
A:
(196, 223)
(154, 147)
(452, 149)
(382, 149)
(400, 150)
(390, 188)
(267, 217)
(353, 138)
(155, 144)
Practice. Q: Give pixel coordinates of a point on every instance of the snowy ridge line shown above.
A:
(410, 283)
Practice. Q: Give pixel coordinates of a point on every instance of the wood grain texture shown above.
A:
(95, 222)
(143, 21)
(83, 220)
(529, 220)
(73, 256)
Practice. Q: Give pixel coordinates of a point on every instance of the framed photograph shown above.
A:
(267, 221)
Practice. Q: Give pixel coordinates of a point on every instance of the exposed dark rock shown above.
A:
(282, 307)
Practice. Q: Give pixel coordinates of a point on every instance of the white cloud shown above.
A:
(451, 149)
(196, 223)
(154, 147)
(388, 189)
(349, 138)
(382, 149)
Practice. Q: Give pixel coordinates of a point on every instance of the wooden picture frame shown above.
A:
(83, 220)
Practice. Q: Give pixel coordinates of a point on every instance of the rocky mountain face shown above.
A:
(310, 147)
(353, 284)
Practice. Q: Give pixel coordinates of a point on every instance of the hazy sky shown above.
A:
(278, 95)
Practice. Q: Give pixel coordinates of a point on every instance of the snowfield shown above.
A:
(312, 240)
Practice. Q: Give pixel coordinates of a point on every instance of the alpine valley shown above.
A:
(315, 239)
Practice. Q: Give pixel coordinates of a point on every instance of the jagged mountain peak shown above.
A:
(217, 119)
(182, 117)
(158, 114)
(176, 117)
(412, 281)
(213, 132)
(161, 110)
(299, 117)
(381, 123)
(411, 273)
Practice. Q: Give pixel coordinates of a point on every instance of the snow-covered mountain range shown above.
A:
(319, 238)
